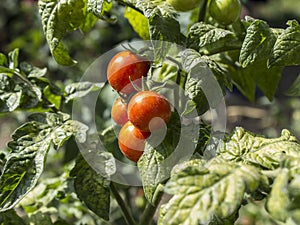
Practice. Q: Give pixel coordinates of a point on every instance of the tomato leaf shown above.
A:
(58, 18)
(11, 217)
(52, 97)
(14, 95)
(81, 89)
(248, 148)
(29, 147)
(294, 90)
(202, 192)
(151, 8)
(32, 71)
(287, 47)
(163, 25)
(278, 202)
(3, 60)
(202, 86)
(167, 32)
(255, 74)
(257, 44)
(13, 59)
(138, 22)
(208, 39)
(98, 8)
(157, 160)
(92, 188)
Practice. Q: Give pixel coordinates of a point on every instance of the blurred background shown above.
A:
(20, 27)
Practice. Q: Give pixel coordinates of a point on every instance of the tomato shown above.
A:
(148, 110)
(123, 65)
(225, 11)
(184, 5)
(132, 141)
(119, 112)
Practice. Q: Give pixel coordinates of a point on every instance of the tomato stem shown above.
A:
(126, 213)
(202, 11)
(150, 209)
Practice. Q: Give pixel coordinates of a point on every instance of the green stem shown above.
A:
(272, 173)
(126, 213)
(202, 11)
(19, 75)
(150, 209)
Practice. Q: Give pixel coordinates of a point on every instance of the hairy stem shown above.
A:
(150, 209)
(126, 213)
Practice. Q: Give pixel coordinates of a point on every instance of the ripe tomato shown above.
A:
(225, 11)
(184, 5)
(148, 109)
(119, 112)
(132, 141)
(123, 65)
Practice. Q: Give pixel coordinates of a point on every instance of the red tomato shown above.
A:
(119, 112)
(123, 65)
(132, 141)
(148, 110)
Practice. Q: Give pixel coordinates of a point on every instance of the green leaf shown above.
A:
(257, 44)
(202, 192)
(52, 97)
(287, 47)
(3, 60)
(13, 58)
(267, 153)
(166, 31)
(165, 150)
(99, 7)
(29, 147)
(246, 79)
(278, 201)
(138, 22)
(152, 165)
(32, 71)
(92, 188)
(58, 18)
(209, 40)
(151, 8)
(202, 87)
(78, 90)
(109, 140)
(10, 217)
(294, 90)
(9, 101)
(163, 25)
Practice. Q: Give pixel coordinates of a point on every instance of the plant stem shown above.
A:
(150, 209)
(19, 75)
(126, 213)
(202, 11)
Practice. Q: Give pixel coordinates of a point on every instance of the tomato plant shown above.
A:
(225, 11)
(199, 58)
(148, 110)
(124, 66)
(132, 141)
(119, 112)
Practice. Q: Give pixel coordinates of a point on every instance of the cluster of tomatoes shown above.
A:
(138, 112)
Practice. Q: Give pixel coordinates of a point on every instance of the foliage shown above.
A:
(247, 167)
